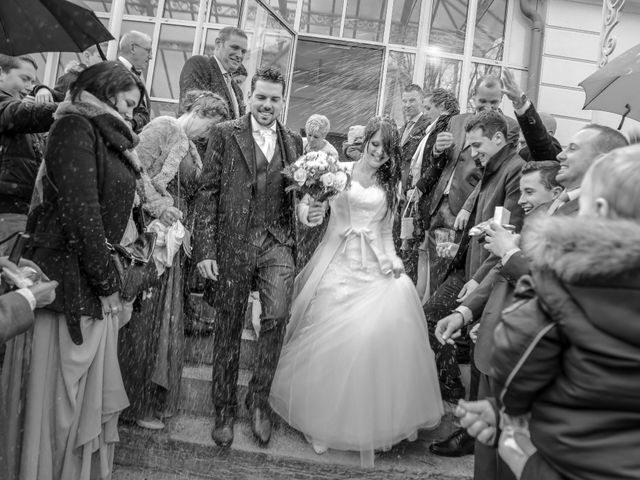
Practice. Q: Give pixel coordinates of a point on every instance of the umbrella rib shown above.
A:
(601, 91)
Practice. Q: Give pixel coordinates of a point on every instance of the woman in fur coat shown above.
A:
(568, 352)
(152, 345)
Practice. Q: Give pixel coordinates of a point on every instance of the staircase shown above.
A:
(185, 448)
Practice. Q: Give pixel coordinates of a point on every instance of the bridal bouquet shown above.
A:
(317, 174)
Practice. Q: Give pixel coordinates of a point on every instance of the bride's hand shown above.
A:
(317, 211)
(397, 267)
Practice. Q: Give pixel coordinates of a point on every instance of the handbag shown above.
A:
(406, 225)
(134, 264)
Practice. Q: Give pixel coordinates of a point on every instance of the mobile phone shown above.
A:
(18, 247)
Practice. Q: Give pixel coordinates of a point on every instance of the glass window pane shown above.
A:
(399, 74)
(145, 8)
(404, 22)
(321, 17)
(163, 108)
(479, 70)
(144, 27)
(448, 25)
(181, 9)
(339, 81)
(99, 5)
(226, 12)
(443, 73)
(174, 47)
(489, 37)
(286, 9)
(210, 40)
(365, 19)
(41, 61)
(71, 59)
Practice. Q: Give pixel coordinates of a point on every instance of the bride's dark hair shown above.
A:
(388, 175)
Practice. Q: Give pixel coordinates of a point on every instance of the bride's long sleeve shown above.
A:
(387, 241)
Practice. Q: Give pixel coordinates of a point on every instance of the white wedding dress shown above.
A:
(356, 371)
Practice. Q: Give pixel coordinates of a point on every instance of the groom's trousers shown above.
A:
(270, 268)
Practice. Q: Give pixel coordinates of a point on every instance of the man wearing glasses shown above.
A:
(135, 53)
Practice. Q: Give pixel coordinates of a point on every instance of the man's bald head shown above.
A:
(136, 48)
(549, 122)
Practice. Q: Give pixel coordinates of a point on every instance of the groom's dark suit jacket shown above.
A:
(203, 73)
(227, 196)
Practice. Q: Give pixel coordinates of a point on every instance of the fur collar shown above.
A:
(115, 131)
(578, 248)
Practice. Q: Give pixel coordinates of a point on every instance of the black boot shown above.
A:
(459, 443)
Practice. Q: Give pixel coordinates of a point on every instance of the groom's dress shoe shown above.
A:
(222, 432)
(261, 426)
(459, 443)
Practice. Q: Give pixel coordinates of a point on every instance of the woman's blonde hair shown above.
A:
(616, 177)
(317, 123)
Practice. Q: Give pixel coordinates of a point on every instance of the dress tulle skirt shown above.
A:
(356, 371)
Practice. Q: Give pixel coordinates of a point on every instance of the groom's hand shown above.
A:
(208, 269)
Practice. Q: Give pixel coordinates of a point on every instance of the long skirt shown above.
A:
(69, 403)
(151, 350)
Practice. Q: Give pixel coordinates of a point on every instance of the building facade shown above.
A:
(349, 59)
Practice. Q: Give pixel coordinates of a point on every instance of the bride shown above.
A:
(356, 371)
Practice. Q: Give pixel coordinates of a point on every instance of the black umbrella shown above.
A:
(31, 26)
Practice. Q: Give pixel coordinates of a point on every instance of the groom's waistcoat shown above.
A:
(271, 209)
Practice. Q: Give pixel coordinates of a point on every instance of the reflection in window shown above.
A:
(404, 22)
(145, 8)
(163, 109)
(286, 9)
(490, 20)
(98, 5)
(174, 47)
(443, 73)
(226, 12)
(321, 17)
(181, 9)
(448, 25)
(339, 81)
(479, 70)
(399, 75)
(365, 19)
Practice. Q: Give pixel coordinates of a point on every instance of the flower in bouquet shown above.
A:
(318, 175)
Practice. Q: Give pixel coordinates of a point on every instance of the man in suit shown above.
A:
(215, 73)
(415, 126)
(246, 237)
(135, 52)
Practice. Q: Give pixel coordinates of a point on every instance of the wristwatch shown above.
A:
(521, 101)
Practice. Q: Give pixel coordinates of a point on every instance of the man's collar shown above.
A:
(414, 119)
(499, 158)
(125, 62)
(3, 91)
(256, 127)
(220, 66)
(573, 194)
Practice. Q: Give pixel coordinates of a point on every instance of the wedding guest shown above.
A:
(215, 73)
(151, 346)
(317, 128)
(89, 57)
(240, 75)
(135, 53)
(352, 147)
(356, 371)
(569, 352)
(80, 207)
(21, 119)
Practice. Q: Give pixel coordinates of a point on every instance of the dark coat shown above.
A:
(540, 144)
(486, 303)
(86, 203)
(141, 114)
(499, 187)
(20, 150)
(228, 194)
(409, 147)
(569, 350)
(203, 73)
(16, 315)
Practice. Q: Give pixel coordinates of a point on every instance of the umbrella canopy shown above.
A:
(614, 88)
(31, 26)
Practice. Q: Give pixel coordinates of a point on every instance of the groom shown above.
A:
(244, 237)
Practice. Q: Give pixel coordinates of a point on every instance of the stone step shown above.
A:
(185, 449)
(199, 348)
